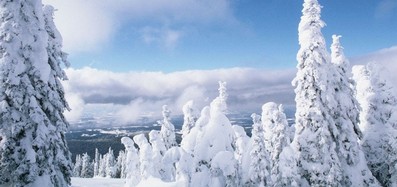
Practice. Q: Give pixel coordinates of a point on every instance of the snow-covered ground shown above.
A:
(108, 182)
(97, 182)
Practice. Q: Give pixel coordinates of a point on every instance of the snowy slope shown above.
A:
(97, 182)
(108, 182)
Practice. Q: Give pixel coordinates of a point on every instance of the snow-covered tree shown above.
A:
(216, 136)
(86, 167)
(96, 163)
(167, 129)
(276, 138)
(110, 163)
(169, 161)
(32, 102)
(158, 150)
(189, 141)
(378, 103)
(242, 146)
(120, 164)
(145, 156)
(189, 118)
(346, 116)
(77, 166)
(314, 139)
(288, 170)
(224, 170)
(132, 163)
(102, 166)
(259, 170)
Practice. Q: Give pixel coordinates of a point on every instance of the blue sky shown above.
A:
(250, 33)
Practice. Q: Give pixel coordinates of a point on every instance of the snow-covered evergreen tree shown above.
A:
(224, 170)
(189, 141)
(210, 141)
(189, 118)
(276, 138)
(378, 103)
(158, 150)
(169, 162)
(77, 166)
(167, 129)
(102, 166)
(346, 117)
(86, 167)
(145, 156)
(288, 170)
(259, 170)
(120, 165)
(132, 170)
(32, 102)
(110, 163)
(242, 146)
(314, 137)
(96, 163)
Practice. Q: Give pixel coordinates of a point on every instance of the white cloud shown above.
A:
(386, 57)
(86, 25)
(136, 94)
(76, 104)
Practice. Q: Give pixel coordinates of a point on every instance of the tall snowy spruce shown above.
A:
(314, 141)
(276, 138)
(167, 131)
(378, 122)
(33, 149)
(259, 170)
(346, 114)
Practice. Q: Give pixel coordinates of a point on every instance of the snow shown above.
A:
(111, 182)
(97, 182)
(158, 182)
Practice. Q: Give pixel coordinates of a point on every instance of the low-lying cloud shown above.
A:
(136, 94)
(128, 97)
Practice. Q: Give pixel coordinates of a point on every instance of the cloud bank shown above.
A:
(129, 96)
(386, 58)
(86, 25)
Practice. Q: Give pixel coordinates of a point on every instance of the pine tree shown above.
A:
(145, 156)
(86, 167)
(378, 103)
(110, 164)
(132, 169)
(167, 129)
(120, 163)
(259, 171)
(32, 99)
(314, 139)
(102, 166)
(209, 141)
(242, 146)
(96, 163)
(189, 118)
(189, 141)
(158, 150)
(346, 117)
(77, 166)
(276, 138)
